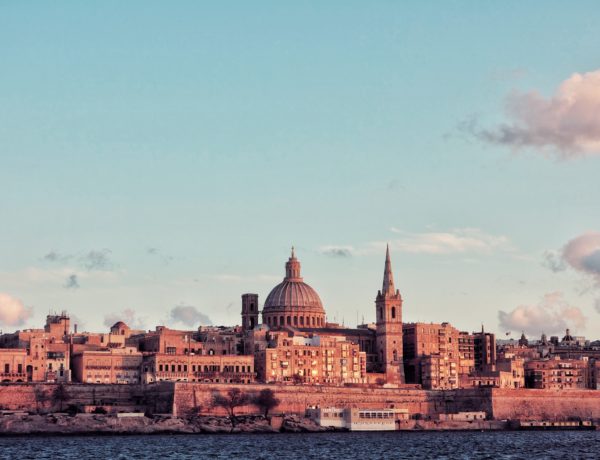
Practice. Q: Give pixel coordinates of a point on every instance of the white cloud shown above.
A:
(567, 123)
(12, 311)
(553, 314)
(460, 240)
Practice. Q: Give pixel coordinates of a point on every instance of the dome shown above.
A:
(293, 302)
(120, 325)
(293, 294)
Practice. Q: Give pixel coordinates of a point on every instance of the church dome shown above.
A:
(293, 302)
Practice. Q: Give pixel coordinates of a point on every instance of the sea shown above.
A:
(348, 445)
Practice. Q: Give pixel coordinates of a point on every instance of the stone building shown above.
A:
(160, 367)
(432, 354)
(112, 365)
(556, 373)
(47, 350)
(316, 359)
(13, 363)
(295, 307)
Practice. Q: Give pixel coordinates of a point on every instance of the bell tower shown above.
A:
(388, 305)
(249, 311)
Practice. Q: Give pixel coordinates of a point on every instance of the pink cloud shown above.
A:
(12, 311)
(567, 123)
(553, 314)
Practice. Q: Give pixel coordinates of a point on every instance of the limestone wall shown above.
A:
(529, 404)
(295, 399)
(22, 396)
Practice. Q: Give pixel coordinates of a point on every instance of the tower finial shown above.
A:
(293, 253)
(388, 277)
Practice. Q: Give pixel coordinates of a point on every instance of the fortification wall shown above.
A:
(529, 404)
(22, 396)
(295, 399)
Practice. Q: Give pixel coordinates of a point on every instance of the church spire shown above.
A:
(388, 276)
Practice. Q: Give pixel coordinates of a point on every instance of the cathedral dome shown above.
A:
(293, 302)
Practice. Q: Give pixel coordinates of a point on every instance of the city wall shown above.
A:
(294, 399)
(182, 398)
(25, 396)
(529, 404)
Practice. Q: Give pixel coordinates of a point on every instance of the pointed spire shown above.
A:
(293, 253)
(388, 276)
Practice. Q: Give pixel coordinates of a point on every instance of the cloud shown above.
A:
(54, 256)
(71, 282)
(128, 316)
(568, 123)
(189, 316)
(12, 311)
(164, 258)
(460, 240)
(76, 320)
(554, 261)
(582, 253)
(597, 305)
(94, 260)
(97, 260)
(337, 251)
(553, 314)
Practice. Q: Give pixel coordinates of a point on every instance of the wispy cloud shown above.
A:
(97, 260)
(128, 316)
(166, 259)
(553, 314)
(12, 311)
(568, 123)
(189, 315)
(337, 251)
(94, 260)
(554, 261)
(456, 241)
(71, 282)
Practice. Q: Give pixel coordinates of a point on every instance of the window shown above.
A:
(393, 312)
(6, 368)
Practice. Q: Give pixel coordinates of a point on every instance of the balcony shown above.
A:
(10, 376)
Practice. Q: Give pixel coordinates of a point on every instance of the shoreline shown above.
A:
(111, 425)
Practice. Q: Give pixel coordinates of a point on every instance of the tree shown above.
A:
(60, 395)
(232, 400)
(41, 398)
(265, 401)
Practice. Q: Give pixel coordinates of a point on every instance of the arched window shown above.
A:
(252, 307)
(289, 320)
(393, 312)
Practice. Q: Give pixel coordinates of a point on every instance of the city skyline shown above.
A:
(155, 174)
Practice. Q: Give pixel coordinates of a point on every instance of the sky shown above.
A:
(159, 159)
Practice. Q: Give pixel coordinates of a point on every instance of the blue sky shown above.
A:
(169, 154)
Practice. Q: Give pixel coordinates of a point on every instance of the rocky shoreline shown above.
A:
(100, 424)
